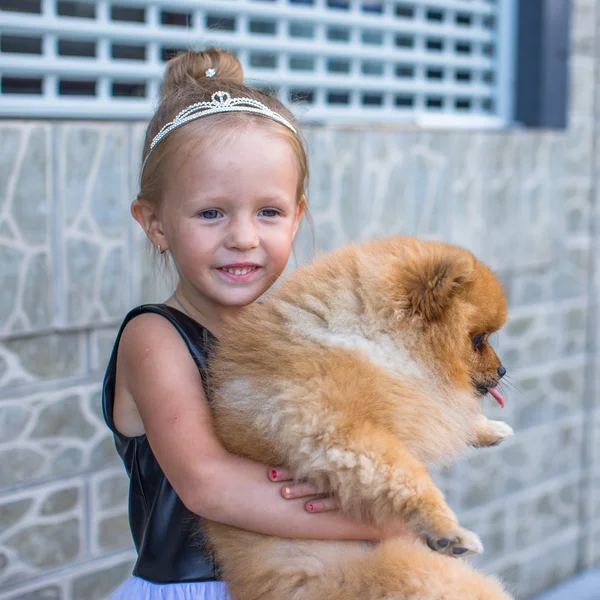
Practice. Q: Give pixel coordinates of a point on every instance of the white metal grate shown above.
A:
(430, 62)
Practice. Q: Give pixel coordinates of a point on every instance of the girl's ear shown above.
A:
(146, 216)
(299, 213)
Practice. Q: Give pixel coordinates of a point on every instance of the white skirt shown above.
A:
(135, 588)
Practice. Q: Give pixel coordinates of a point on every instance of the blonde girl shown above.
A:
(222, 191)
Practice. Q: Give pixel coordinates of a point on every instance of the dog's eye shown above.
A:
(478, 340)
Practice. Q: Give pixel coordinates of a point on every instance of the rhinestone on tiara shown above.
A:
(221, 102)
(210, 72)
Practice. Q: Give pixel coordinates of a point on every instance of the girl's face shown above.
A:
(229, 215)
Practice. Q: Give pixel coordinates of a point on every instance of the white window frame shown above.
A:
(153, 35)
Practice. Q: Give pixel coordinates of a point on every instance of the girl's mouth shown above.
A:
(239, 272)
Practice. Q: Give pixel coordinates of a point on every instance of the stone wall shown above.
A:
(72, 262)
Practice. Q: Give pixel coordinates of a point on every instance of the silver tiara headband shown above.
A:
(221, 102)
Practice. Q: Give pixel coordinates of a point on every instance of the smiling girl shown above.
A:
(222, 190)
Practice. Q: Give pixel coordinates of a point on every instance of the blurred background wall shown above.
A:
(72, 262)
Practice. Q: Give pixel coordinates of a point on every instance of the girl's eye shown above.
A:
(210, 214)
(268, 212)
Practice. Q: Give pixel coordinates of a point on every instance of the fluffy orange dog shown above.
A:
(361, 369)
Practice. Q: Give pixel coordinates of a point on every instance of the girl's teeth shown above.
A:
(240, 271)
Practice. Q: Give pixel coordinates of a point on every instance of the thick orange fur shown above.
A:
(358, 373)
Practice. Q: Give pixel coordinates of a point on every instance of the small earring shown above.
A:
(159, 250)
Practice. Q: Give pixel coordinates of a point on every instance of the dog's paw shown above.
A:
(494, 434)
(457, 543)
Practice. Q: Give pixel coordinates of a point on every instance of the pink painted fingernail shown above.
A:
(273, 474)
(311, 507)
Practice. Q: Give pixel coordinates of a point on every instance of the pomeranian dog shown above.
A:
(358, 372)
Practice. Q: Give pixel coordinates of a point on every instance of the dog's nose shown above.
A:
(501, 371)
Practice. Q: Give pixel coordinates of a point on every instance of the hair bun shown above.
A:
(188, 67)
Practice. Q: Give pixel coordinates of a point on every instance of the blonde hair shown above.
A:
(185, 83)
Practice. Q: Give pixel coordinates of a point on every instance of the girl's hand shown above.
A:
(318, 501)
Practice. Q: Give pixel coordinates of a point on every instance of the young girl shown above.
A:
(222, 190)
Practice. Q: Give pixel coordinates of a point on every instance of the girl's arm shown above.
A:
(156, 371)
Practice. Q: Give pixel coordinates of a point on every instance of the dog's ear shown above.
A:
(430, 283)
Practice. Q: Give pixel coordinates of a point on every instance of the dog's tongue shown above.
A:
(494, 392)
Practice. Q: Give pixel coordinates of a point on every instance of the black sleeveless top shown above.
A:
(165, 532)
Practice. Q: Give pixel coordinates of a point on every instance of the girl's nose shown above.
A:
(242, 236)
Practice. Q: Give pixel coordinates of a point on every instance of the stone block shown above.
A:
(94, 191)
(109, 492)
(25, 210)
(95, 404)
(13, 135)
(47, 546)
(552, 510)
(529, 287)
(576, 146)
(335, 183)
(102, 342)
(498, 169)
(466, 196)
(11, 266)
(428, 181)
(542, 395)
(584, 27)
(56, 433)
(520, 462)
(20, 464)
(335, 191)
(157, 274)
(400, 186)
(103, 451)
(37, 288)
(581, 87)
(595, 441)
(60, 501)
(537, 199)
(576, 208)
(592, 509)
(394, 191)
(41, 529)
(12, 511)
(491, 526)
(93, 161)
(136, 133)
(113, 533)
(569, 277)
(574, 322)
(382, 206)
(13, 420)
(528, 338)
(447, 480)
(32, 192)
(45, 357)
(62, 418)
(594, 549)
(305, 244)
